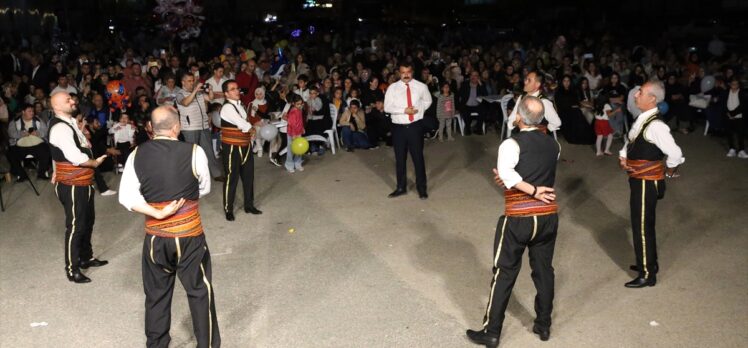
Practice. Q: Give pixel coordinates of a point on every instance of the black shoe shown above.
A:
(21, 178)
(220, 178)
(396, 193)
(93, 263)
(640, 282)
(349, 149)
(252, 210)
(78, 277)
(42, 176)
(230, 216)
(483, 338)
(544, 334)
(423, 196)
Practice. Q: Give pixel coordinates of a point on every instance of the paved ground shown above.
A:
(362, 270)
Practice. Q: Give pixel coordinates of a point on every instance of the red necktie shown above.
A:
(410, 101)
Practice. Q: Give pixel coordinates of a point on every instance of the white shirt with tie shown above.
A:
(554, 122)
(396, 100)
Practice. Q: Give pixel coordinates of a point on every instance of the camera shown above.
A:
(206, 88)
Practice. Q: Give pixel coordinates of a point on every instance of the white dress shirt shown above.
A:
(733, 101)
(554, 122)
(657, 133)
(216, 86)
(228, 114)
(123, 133)
(64, 139)
(396, 100)
(129, 185)
(508, 158)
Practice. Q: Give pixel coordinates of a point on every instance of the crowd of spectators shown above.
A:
(590, 78)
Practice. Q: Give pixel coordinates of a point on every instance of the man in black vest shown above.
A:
(236, 151)
(164, 179)
(527, 169)
(533, 87)
(647, 144)
(73, 178)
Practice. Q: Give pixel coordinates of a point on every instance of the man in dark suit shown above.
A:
(39, 73)
(469, 103)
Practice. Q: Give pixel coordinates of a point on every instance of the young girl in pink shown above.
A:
(603, 129)
(294, 130)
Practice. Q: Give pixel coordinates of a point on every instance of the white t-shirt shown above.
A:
(216, 86)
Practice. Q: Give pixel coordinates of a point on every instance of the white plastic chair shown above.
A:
(331, 133)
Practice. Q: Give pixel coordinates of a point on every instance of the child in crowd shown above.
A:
(445, 110)
(124, 138)
(294, 130)
(603, 129)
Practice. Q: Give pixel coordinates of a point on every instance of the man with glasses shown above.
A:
(236, 151)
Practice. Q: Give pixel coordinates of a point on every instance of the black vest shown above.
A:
(57, 154)
(227, 124)
(641, 149)
(165, 170)
(538, 154)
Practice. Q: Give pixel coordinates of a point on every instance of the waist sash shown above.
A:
(68, 174)
(646, 170)
(184, 223)
(518, 203)
(234, 136)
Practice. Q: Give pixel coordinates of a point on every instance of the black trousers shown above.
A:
(644, 195)
(513, 235)
(100, 182)
(468, 118)
(16, 155)
(238, 163)
(124, 149)
(189, 259)
(409, 139)
(736, 134)
(78, 203)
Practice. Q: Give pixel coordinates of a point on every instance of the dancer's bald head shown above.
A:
(63, 104)
(163, 120)
(531, 110)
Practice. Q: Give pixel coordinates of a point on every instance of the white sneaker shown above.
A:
(109, 193)
(742, 154)
(300, 168)
(291, 170)
(731, 153)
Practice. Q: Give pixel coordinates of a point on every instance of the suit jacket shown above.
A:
(41, 78)
(464, 94)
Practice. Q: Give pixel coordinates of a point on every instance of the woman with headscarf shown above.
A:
(576, 129)
(259, 116)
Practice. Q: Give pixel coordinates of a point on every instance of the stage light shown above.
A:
(360, 19)
(270, 18)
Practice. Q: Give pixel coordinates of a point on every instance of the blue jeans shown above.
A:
(292, 161)
(355, 139)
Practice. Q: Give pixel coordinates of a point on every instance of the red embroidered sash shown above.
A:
(68, 174)
(646, 170)
(518, 203)
(184, 223)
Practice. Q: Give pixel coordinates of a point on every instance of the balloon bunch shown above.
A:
(117, 96)
(180, 17)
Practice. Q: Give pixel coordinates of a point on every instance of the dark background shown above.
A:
(678, 19)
